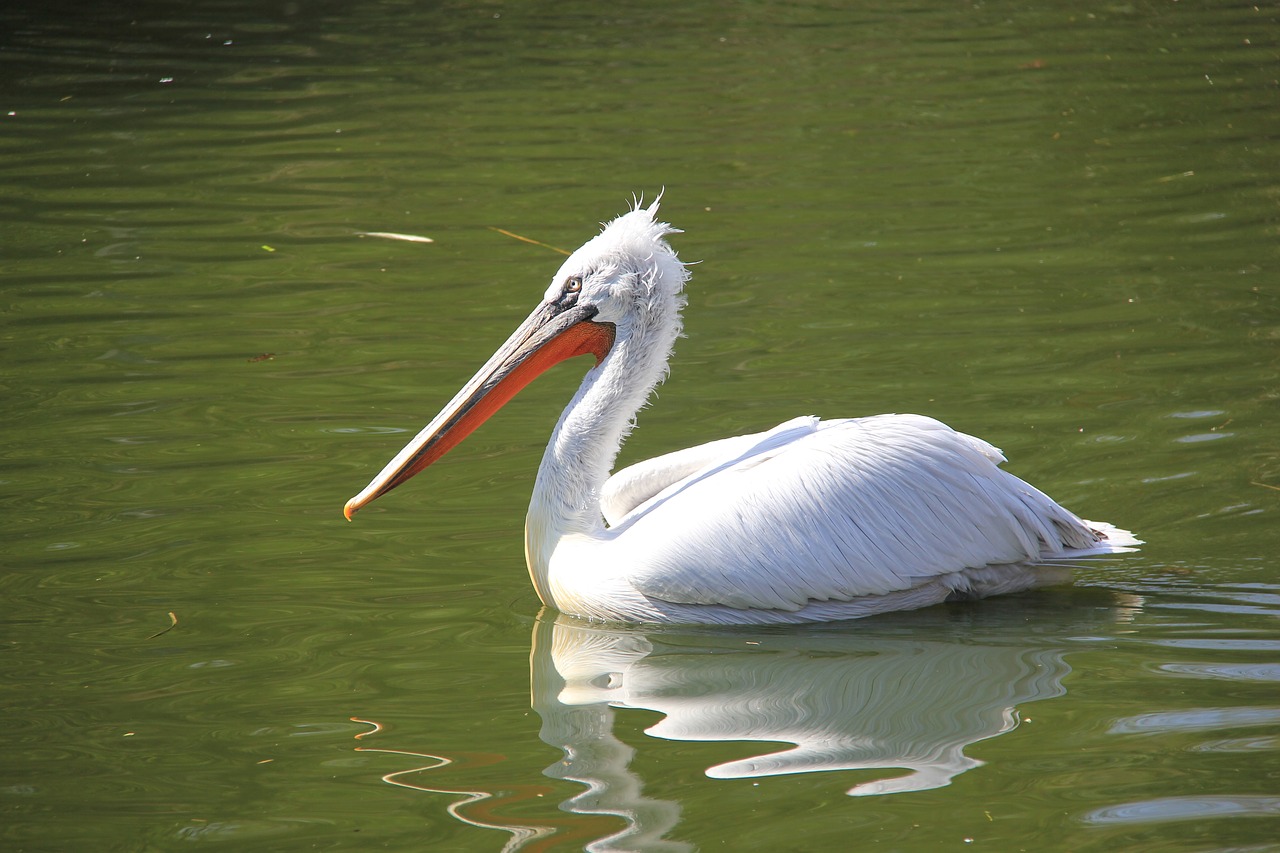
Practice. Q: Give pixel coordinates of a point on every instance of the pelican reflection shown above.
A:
(894, 698)
(888, 706)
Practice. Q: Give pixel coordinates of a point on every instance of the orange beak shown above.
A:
(550, 335)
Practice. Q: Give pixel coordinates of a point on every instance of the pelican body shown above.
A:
(813, 520)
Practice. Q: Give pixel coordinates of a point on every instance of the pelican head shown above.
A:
(627, 273)
(618, 297)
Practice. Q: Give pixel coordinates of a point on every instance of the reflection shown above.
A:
(468, 806)
(895, 702)
(908, 693)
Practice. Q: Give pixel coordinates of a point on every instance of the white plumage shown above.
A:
(810, 521)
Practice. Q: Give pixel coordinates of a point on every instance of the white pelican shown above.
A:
(809, 521)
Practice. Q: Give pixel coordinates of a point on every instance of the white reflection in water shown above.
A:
(1196, 719)
(851, 699)
(1186, 808)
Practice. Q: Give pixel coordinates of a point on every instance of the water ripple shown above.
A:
(1186, 808)
(1265, 672)
(1196, 719)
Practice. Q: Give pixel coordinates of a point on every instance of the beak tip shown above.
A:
(349, 510)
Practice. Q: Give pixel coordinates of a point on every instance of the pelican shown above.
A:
(811, 521)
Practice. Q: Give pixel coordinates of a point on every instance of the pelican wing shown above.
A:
(635, 484)
(837, 510)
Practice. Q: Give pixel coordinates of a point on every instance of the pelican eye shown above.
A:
(569, 292)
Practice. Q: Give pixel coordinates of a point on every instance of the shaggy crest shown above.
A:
(636, 235)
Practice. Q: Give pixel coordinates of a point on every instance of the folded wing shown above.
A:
(834, 510)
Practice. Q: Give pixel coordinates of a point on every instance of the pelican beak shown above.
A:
(551, 334)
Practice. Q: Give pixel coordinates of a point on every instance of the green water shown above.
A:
(1053, 229)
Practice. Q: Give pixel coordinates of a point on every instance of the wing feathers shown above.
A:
(835, 510)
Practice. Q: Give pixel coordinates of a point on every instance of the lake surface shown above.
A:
(1053, 229)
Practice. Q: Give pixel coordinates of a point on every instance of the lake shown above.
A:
(1054, 228)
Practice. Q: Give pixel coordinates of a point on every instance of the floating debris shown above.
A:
(391, 235)
(173, 623)
(529, 240)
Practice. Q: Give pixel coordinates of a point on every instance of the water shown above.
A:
(1054, 229)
